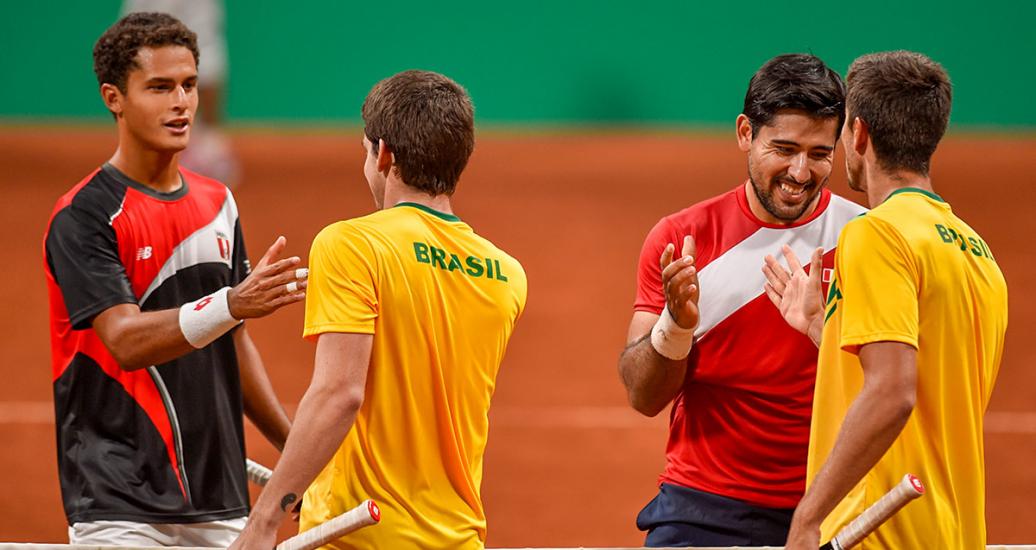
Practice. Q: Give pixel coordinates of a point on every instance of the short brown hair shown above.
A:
(428, 122)
(904, 98)
(115, 52)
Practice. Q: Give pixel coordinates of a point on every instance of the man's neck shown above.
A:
(397, 192)
(881, 184)
(155, 169)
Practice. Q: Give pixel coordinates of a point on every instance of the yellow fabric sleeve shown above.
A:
(878, 279)
(342, 293)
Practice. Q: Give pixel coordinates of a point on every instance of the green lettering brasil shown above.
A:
(471, 266)
(957, 238)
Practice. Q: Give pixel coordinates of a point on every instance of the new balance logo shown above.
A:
(144, 253)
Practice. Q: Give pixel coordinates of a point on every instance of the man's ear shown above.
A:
(743, 127)
(861, 136)
(385, 157)
(112, 97)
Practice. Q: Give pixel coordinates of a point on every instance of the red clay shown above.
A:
(568, 462)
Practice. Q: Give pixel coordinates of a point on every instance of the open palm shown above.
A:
(796, 294)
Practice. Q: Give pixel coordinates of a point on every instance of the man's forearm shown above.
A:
(140, 339)
(651, 381)
(260, 401)
(325, 415)
(323, 419)
(871, 426)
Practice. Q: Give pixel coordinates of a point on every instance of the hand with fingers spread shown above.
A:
(680, 283)
(271, 285)
(796, 294)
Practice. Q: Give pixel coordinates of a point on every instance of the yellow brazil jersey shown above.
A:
(910, 271)
(441, 303)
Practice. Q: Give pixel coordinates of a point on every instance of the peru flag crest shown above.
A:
(223, 242)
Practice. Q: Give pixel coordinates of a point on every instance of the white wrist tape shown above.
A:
(671, 340)
(204, 320)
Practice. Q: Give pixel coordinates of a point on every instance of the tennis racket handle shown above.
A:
(257, 473)
(907, 490)
(367, 513)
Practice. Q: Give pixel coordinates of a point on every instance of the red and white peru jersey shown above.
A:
(740, 426)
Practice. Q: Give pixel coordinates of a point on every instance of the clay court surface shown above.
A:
(568, 463)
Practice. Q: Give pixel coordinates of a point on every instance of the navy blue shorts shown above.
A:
(680, 516)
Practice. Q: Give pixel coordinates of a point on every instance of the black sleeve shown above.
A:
(83, 257)
(240, 267)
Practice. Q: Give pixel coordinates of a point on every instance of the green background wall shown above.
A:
(535, 62)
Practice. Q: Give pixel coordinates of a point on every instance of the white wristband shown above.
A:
(669, 339)
(204, 320)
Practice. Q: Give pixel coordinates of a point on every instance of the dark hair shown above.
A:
(794, 81)
(428, 122)
(116, 50)
(904, 98)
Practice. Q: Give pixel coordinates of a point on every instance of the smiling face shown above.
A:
(789, 163)
(160, 100)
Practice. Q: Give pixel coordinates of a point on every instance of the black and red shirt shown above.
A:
(163, 444)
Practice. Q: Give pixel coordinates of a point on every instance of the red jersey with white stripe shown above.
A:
(163, 444)
(739, 427)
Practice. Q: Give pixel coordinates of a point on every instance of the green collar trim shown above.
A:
(924, 192)
(436, 213)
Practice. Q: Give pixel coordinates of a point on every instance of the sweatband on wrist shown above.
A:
(204, 320)
(669, 339)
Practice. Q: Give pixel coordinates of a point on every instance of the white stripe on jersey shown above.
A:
(200, 247)
(735, 278)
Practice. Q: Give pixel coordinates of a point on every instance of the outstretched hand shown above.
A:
(271, 285)
(796, 294)
(680, 283)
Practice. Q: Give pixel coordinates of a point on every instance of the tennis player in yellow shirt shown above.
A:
(411, 311)
(912, 332)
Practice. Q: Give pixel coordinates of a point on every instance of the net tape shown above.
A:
(27, 546)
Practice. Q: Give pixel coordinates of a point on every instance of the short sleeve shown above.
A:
(878, 279)
(650, 296)
(342, 293)
(240, 266)
(83, 256)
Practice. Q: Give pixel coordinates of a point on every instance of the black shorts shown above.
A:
(680, 516)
